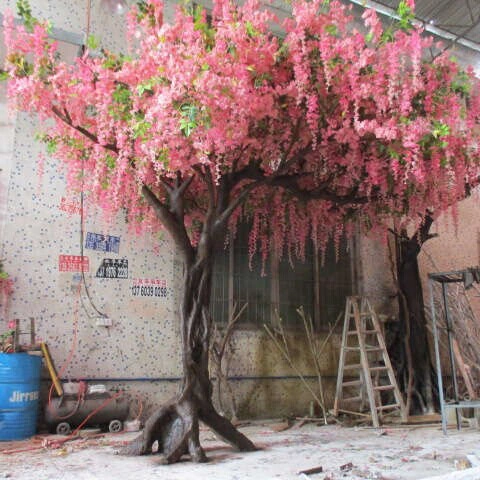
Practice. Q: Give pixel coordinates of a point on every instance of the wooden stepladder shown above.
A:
(364, 360)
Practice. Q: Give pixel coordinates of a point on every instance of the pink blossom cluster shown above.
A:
(340, 125)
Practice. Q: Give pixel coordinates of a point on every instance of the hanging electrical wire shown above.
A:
(82, 238)
(82, 198)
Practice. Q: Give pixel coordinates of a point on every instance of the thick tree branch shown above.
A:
(171, 223)
(416, 241)
(177, 204)
(182, 188)
(65, 118)
(289, 182)
(166, 185)
(206, 175)
(221, 221)
(320, 192)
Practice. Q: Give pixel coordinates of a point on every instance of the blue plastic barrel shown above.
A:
(19, 394)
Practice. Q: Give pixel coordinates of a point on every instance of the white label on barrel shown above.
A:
(23, 396)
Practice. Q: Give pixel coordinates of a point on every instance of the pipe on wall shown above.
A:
(178, 379)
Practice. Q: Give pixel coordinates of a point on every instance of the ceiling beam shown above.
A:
(439, 32)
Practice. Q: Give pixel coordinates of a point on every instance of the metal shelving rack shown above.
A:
(467, 277)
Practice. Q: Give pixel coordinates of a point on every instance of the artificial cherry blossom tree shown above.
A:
(206, 123)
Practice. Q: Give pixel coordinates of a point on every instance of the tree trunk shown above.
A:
(175, 425)
(409, 347)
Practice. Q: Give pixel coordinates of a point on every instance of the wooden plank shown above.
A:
(388, 364)
(341, 363)
(352, 383)
(364, 361)
(427, 418)
(311, 471)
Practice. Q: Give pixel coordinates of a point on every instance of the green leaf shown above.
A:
(50, 142)
(331, 29)
(4, 75)
(188, 120)
(262, 79)
(121, 106)
(146, 86)
(392, 152)
(114, 62)
(141, 128)
(252, 32)
(406, 16)
(440, 129)
(163, 157)
(23, 68)
(93, 43)
(25, 13)
(366, 70)
(462, 84)
(52, 146)
(121, 94)
(146, 11)
(110, 161)
(388, 35)
(202, 23)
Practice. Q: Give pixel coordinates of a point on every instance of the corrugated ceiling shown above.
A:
(460, 18)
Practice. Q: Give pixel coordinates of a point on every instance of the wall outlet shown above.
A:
(103, 322)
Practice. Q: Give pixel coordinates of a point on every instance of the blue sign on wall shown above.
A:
(102, 243)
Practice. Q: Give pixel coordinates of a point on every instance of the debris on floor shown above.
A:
(310, 452)
(311, 471)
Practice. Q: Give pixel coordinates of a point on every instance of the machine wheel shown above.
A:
(115, 426)
(63, 428)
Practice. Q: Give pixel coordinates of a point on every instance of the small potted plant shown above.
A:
(6, 289)
(7, 340)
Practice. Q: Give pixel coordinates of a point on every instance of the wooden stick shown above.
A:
(463, 369)
(311, 471)
(51, 369)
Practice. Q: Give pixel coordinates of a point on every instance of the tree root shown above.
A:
(175, 426)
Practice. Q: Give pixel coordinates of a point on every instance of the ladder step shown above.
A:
(388, 407)
(384, 387)
(352, 383)
(374, 349)
(378, 369)
(365, 339)
(365, 332)
(367, 349)
(352, 366)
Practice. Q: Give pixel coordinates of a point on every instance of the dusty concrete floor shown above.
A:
(344, 453)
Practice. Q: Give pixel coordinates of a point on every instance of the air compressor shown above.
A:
(89, 405)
